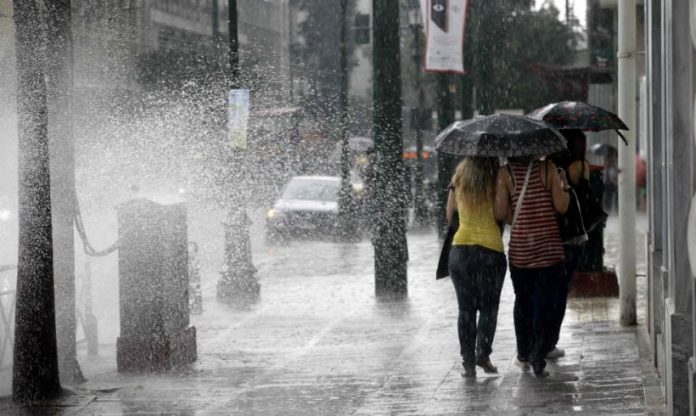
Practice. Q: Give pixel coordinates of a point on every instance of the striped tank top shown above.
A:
(534, 240)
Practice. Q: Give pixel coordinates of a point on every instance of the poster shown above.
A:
(238, 117)
(445, 22)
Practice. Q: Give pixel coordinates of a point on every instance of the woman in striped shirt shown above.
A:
(535, 251)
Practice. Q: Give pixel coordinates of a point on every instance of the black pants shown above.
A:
(573, 257)
(536, 291)
(478, 274)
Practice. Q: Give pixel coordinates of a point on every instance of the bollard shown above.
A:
(153, 285)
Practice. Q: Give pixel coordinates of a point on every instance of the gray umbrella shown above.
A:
(500, 135)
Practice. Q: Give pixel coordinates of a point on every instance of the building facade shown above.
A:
(111, 38)
(670, 46)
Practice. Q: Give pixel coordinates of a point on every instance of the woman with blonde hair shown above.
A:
(477, 261)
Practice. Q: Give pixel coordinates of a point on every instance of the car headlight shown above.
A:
(273, 213)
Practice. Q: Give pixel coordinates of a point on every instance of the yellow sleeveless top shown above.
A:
(477, 226)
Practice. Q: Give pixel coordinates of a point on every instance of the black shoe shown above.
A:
(469, 371)
(487, 366)
(540, 369)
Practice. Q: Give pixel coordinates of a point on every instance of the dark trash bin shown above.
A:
(153, 287)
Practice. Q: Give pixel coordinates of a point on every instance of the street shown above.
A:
(319, 342)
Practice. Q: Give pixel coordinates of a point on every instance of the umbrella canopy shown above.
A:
(500, 135)
(360, 144)
(579, 115)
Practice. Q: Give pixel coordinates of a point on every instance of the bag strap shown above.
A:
(518, 207)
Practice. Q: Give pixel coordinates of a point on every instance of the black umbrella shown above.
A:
(500, 135)
(360, 144)
(579, 115)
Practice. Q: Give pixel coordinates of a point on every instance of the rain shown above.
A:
(238, 207)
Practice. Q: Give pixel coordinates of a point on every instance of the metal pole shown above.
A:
(627, 164)
(445, 162)
(419, 199)
(237, 283)
(346, 229)
(215, 12)
(233, 26)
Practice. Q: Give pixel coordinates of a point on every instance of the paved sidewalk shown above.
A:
(319, 343)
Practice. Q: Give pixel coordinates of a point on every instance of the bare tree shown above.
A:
(35, 367)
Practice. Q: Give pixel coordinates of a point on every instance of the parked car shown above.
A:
(307, 206)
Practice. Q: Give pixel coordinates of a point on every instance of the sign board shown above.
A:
(445, 21)
(691, 236)
(238, 117)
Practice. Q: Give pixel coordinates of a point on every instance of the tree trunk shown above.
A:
(61, 147)
(35, 367)
(391, 250)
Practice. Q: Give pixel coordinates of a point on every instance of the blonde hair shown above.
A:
(474, 181)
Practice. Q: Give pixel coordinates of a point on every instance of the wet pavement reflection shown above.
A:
(320, 343)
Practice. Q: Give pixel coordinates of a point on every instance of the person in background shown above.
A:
(530, 192)
(641, 182)
(572, 228)
(477, 262)
(611, 182)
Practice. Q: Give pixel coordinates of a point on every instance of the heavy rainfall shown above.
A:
(241, 207)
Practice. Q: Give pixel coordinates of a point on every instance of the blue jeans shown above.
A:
(478, 274)
(536, 291)
(573, 258)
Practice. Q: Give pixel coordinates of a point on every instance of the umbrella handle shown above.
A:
(622, 137)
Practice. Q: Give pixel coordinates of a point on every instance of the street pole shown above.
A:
(421, 211)
(237, 284)
(389, 240)
(627, 163)
(215, 12)
(445, 117)
(346, 227)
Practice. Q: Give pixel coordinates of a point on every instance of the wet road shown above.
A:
(319, 343)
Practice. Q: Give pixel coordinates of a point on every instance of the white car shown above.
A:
(308, 205)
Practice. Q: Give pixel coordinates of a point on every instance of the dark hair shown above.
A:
(577, 143)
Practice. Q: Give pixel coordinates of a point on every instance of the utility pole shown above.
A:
(215, 12)
(237, 283)
(421, 211)
(445, 117)
(391, 250)
(567, 12)
(346, 218)
(627, 161)
(59, 85)
(35, 374)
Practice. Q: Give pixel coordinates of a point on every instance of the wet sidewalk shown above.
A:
(319, 343)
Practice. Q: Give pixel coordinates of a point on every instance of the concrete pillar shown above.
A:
(627, 166)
